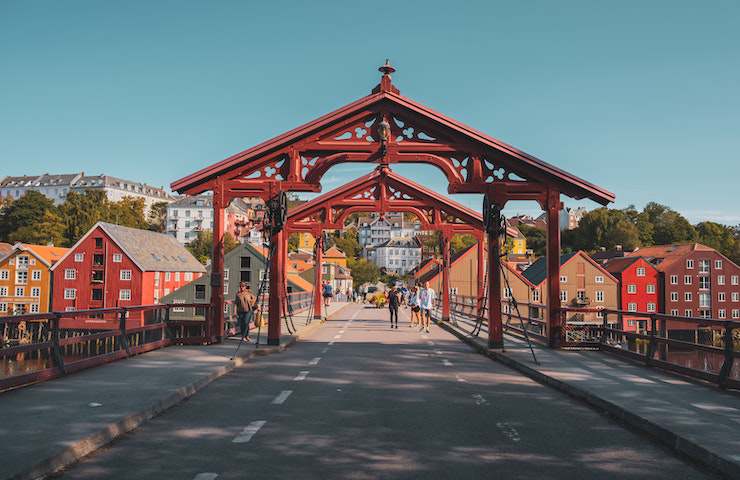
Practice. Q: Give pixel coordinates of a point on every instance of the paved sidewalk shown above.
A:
(699, 421)
(49, 425)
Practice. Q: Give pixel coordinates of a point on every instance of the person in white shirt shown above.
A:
(413, 302)
(426, 303)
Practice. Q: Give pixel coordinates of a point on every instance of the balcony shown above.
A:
(581, 301)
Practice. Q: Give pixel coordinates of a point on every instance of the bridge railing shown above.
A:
(35, 347)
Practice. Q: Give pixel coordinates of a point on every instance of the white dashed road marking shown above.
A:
(459, 378)
(249, 431)
(446, 363)
(206, 476)
(325, 350)
(301, 376)
(282, 397)
(331, 343)
(314, 361)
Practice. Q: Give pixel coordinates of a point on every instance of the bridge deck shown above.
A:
(355, 399)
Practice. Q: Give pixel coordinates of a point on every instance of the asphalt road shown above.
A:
(357, 400)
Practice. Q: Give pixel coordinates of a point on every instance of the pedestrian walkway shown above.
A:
(51, 424)
(697, 420)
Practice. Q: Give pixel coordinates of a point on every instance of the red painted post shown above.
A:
(481, 251)
(277, 277)
(555, 321)
(445, 277)
(317, 300)
(495, 321)
(215, 327)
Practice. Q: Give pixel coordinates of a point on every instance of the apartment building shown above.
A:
(25, 278)
(638, 290)
(187, 216)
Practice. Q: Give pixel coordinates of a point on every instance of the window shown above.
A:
(97, 276)
(125, 275)
(563, 279)
(124, 294)
(3, 291)
(20, 292)
(718, 264)
(507, 292)
(226, 288)
(720, 279)
(79, 257)
(581, 295)
(98, 242)
(167, 276)
(70, 274)
(36, 275)
(631, 288)
(177, 276)
(651, 307)
(704, 282)
(262, 275)
(36, 292)
(98, 259)
(599, 295)
(674, 296)
(70, 293)
(117, 258)
(705, 313)
(246, 276)
(599, 279)
(188, 276)
(721, 297)
(19, 309)
(736, 296)
(704, 266)
(246, 262)
(735, 313)
(687, 296)
(34, 308)
(721, 313)
(22, 261)
(226, 274)
(650, 288)
(200, 292)
(687, 312)
(166, 291)
(69, 309)
(97, 294)
(631, 323)
(689, 264)
(674, 312)
(632, 307)
(4, 275)
(733, 280)
(3, 307)
(687, 279)
(563, 295)
(704, 300)
(178, 309)
(21, 277)
(641, 271)
(674, 279)
(535, 295)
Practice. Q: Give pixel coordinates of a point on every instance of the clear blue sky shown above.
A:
(640, 97)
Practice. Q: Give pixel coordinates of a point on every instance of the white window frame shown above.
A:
(188, 276)
(535, 295)
(226, 273)
(640, 271)
(36, 275)
(20, 291)
(735, 279)
(650, 288)
(167, 276)
(177, 276)
(21, 277)
(718, 264)
(632, 307)
(721, 313)
(688, 313)
(735, 296)
(674, 312)
(178, 309)
(70, 293)
(720, 279)
(4, 274)
(117, 257)
(79, 257)
(599, 279)
(687, 280)
(674, 296)
(125, 275)
(3, 307)
(70, 274)
(721, 296)
(631, 288)
(600, 296)
(3, 291)
(124, 294)
(563, 278)
(34, 308)
(563, 295)
(674, 279)
(651, 307)
(689, 264)
(735, 313)
(36, 292)
(687, 297)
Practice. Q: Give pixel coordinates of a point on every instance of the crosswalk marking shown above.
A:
(249, 431)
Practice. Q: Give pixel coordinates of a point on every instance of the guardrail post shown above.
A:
(56, 350)
(724, 372)
(651, 345)
(604, 326)
(122, 331)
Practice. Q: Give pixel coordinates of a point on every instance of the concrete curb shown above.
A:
(111, 431)
(672, 440)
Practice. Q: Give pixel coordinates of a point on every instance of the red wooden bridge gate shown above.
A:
(386, 128)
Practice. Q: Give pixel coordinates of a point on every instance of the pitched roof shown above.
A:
(619, 264)
(333, 251)
(49, 255)
(569, 183)
(664, 256)
(300, 282)
(537, 272)
(436, 270)
(150, 251)
(5, 248)
(401, 242)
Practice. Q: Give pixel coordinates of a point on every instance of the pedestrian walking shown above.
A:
(327, 293)
(246, 303)
(413, 303)
(394, 301)
(426, 303)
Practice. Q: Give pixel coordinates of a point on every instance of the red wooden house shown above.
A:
(112, 266)
(639, 290)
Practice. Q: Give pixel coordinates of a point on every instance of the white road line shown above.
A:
(249, 431)
(282, 397)
(438, 352)
(331, 343)
(301, 376)
(446, 363)
(206, 476)
(325, 350)
(314, 361)
(459, 378)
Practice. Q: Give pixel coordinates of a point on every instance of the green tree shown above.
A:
(202, 246)
(602, 228)
(23, 215)
(460, 242)
(48, 230)
(363, 271)
(536, 238)
(80, 211)
(157, 217)
(129, 212)
(348, 242)
(293, 242)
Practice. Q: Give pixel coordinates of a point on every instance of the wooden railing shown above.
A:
(35, 348)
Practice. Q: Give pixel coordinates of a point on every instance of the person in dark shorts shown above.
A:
(245, 305)
(327, 293)
(394, 301)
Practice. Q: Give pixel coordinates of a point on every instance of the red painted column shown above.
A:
(495, 321)
(554, 320)
(481, 252)
(277, 278)
(317, 300)
(215, 328)
(445, 277)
